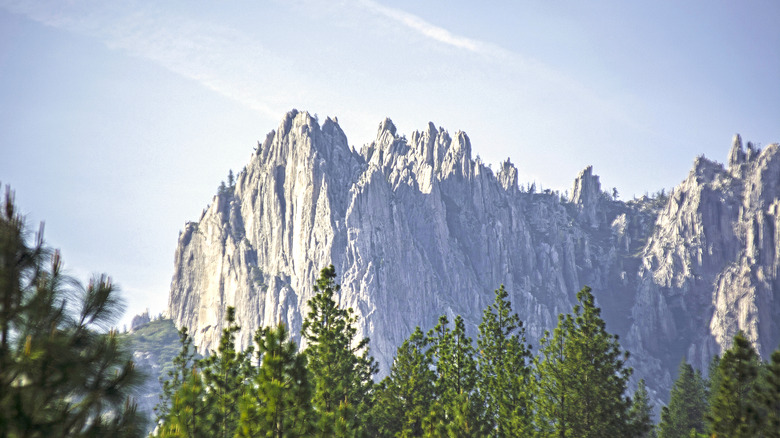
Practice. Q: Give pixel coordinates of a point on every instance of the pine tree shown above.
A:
(407, 393)
(554, 373)
(435, 423)
(713, 378)
(182, 409)
(459, 404)
(734, 411)
(582, 377)
(687, 405)
(504, 371)
(710, 383)
(279, 401)
(384, 411)
(770, 397)
(187, 415)
(226, 374)
(231, 180)
(641, 413)
(63, 371)
(340, 365)
(183, 365)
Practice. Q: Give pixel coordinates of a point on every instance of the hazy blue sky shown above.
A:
(119, 119)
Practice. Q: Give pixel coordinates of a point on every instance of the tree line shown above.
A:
(441, 383)
(64, 372)
(739, 397)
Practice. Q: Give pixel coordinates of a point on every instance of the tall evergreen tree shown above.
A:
(279, 401)
(504, 371)
(340, 365)
(582, 377)
(187, 415)
(734, 411)
(385, 411)
(554, 374)
(713, 378)
(687, 405)
(63, 371)
(641, 413)
(435, 424)
(226, 374)
(183, 365)
(403, 399)
(770, 397)
(459, 404)
(710, 383)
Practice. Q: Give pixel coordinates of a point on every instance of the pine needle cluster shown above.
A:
(63, 370)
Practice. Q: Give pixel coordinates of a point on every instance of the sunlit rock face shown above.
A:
(416, 227)
(710, 267)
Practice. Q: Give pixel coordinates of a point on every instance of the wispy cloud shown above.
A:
(423, 27)
(217, 57)
(532, 70)
(508, 58)
(234, 65)
(433, 32)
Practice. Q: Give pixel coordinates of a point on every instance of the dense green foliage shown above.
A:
(770, 396)
(440, 383)
(341, 368)
(175, 376)
(63, 371)
(278, 402)
(640, 414)
(323, 391)
(457, 407)
(504, 369)
(738, 399)
(687, 405)
(201, 397)
(735, 410)
(226, 374)
(582, 377)
(403, 399)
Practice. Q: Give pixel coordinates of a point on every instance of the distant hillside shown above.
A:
(154, 345)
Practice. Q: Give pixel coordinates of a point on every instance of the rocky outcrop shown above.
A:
(586, 194)
(709, 268)
(140, 320)
(416, 228)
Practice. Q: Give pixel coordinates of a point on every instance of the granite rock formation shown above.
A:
(710, 266)
(417, 228)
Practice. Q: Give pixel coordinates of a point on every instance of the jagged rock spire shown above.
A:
(507, 175)
(586, 194)
(737, 154)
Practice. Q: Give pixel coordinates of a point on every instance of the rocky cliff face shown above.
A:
(416, 228)
(710, 267)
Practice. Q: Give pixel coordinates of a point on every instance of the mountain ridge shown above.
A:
(416, 228)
